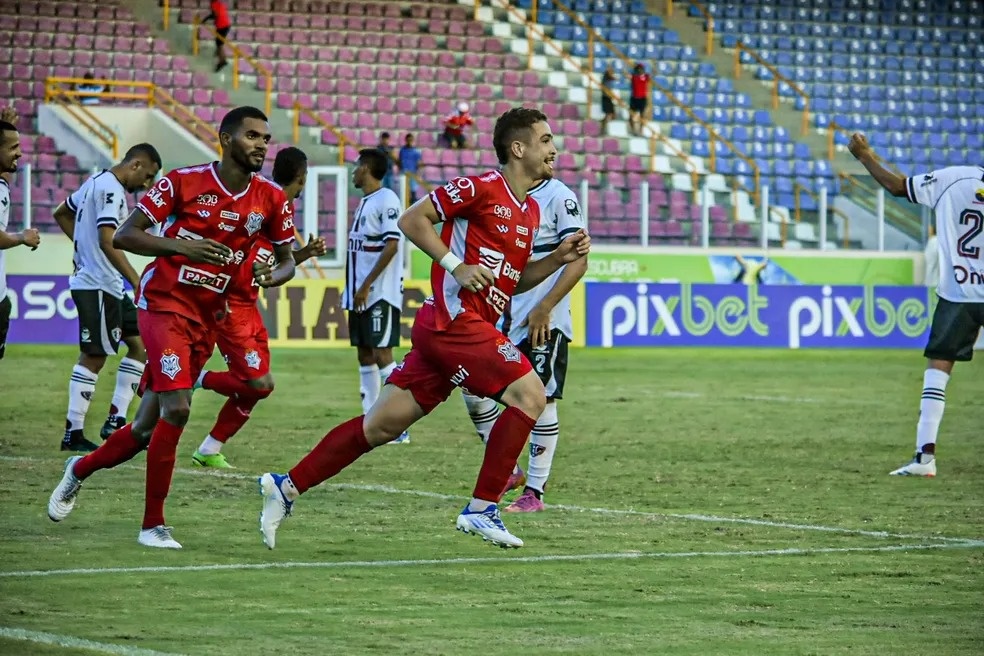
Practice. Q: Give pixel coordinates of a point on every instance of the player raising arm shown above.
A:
(956, 193)
(480, 260)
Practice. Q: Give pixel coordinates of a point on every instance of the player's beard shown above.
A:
(245, 160)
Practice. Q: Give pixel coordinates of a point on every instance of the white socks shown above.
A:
(543, 444)
(368, 386)
(385, 372)
(81, 386)
(931, 407)
(210, 447)
(127, 381)
(483, 413)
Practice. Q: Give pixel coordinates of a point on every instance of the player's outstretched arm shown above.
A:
(538, 320)
(892, 182)
(30, 238)
(65, 218)
(315, 247)
(572, 249)
(133, 237)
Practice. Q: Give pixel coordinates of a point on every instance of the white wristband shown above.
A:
(450, 262)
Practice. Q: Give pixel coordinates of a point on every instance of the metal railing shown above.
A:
(238, 55)
(708, 22)
(68, 97)
(823, 208)
(777, 79)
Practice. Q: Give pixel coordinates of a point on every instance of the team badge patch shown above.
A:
(537, 450)
(170, 364)
(570, 205)
(117, 334)
(254, 222)
(252, 359)
(509, 352)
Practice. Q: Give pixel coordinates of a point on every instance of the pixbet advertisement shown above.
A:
(785, 316)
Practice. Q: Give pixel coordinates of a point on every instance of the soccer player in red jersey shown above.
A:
(209, 218)
(242, 338)
(481, 257)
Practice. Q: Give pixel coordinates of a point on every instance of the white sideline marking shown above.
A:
(70, 642)
(629, 555)
(713, 519)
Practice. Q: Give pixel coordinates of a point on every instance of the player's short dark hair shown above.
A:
(288, 164)
(509, 127)
(234, 119)
(6, 127)
(376, 160)
(147, 151)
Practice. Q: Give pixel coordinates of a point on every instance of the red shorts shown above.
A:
(244, 343)
(177, 350)
(470, 354)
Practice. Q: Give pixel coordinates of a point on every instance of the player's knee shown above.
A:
(177, 411)
(93, 363)
(262, 387)
(528, 395)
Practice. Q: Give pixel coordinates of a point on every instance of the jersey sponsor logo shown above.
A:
(964, 276)
(215, 282)
(156, 196)
(227, 227)
(508, 351)
(254, 221)
(570, 206)
(521, 243)
(459, 376)
(286, 208)
(252, 359)
(231, 216)
(208, 200)
(511, 272)
(491, 260)
(928, 179)
(489, 177)
(523, 230)
(503, 229)
(502, 212)
(238, 257)
(170, 364)
(497, 299)
(187, 234)
(204, 214)
(288, 223)
(456, 187)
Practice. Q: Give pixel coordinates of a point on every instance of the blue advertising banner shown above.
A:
(782, 316)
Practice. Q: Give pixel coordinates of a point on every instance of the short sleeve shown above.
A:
(74, 200)
(567, 211)
(280, 229)
(927, 188)
(162, 199)
(389, 214)
(458, 199)
(107, 204)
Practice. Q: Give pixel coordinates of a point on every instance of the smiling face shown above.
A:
(10, 151)
(248, 145)
(540, 153)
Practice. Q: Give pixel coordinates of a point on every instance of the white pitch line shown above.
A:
(629, 555)
(71, 642)
(713, 519)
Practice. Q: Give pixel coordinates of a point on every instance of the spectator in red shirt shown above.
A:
(639, 100)
(455, 124)
(223, 25)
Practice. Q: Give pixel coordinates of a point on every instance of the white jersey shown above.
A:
(4, 221)
(374, 225)
(99, 202)
(560, 216)
(956, 193)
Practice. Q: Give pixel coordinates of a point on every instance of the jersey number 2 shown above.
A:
(975, 219)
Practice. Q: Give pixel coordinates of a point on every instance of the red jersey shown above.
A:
(484, 224)
(221, 13)
(245, 290)
(456, 123)
(640, 85)
(192, 203)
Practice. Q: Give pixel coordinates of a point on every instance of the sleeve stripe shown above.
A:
(910, 190)
(437, 205)
(568, 231)
(291, 240)
(153, 219)
(107, 220)
(70, 205)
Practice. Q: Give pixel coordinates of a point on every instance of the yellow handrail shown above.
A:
(91, 122)
(166, 14)
(237, 55)
(593, 35)
(777, 77)
(708, 21)
(342, 139)
(799, 189)
(184, 116)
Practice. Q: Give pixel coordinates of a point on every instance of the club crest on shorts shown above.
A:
(85, 336)
(170, 364)
(117, 334)
(252, 359)
(509, 352)
(254, 222)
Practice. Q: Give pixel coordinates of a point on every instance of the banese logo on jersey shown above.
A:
(495, 262)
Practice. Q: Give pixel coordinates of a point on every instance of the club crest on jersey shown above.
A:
(252, 359)
(254, 222)
(509, 352)
(170, 364)
(570, 205)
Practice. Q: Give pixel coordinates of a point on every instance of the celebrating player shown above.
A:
(374, 277)
(480, 258)
(212, 215)
(242, 338)
(107, 316)
(957, 195)
(539, 323)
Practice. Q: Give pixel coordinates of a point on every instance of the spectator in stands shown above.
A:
(409, 162)
(223, 25)
(387, 149)
(639, 100)
(89, 88)
(454, 127)
(932, 257)
(607, 104)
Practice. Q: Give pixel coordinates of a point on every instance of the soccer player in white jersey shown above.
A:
(539, 323)
(956, 193)
(107, 316)
(10, 152)
(374, 277)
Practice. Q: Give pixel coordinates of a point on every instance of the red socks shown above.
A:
(506, 441)
(337, 450)
(117, 449)
(160, 468)
(233, 416)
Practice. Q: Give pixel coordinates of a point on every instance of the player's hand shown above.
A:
(32, 238)
(315, 247)
(538, 321)
(574, 247)
(263, 274)
(9, 115)
(207, 251)
(859, 145)
(473, 277)
(360, 299)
